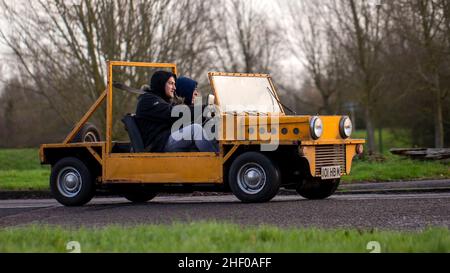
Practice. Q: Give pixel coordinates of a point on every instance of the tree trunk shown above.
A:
(438, 122)
(326, 105)
(9, 123)
(370, 131)
(380, 139)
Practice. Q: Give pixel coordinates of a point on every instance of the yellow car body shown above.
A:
(291, 133)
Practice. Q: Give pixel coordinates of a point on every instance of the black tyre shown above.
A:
(139, 194)
(71, 182)
(316, 188)
(254, 178)
(87, 133)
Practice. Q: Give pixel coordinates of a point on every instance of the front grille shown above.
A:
(330, 155)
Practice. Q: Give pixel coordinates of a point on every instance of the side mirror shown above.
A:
(211, 99)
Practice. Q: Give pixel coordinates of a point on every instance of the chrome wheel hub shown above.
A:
(69, 182)
(251, 178)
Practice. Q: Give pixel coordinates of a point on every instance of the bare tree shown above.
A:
(245, 40)
(21, 118)
(424, 26)
(313, 43)
(431, 18)
(62, 46)
(358, 31)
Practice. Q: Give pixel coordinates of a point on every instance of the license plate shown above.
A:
(331, 172)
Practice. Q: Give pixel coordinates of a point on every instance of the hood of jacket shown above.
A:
(158, 83)
(185, 89)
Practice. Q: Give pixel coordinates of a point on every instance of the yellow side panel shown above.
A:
(163, 168)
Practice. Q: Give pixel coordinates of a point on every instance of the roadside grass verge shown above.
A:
(20, 170)
(396, 169)
(218, 237)
(20, 159)
(389, 139)
(37, 179)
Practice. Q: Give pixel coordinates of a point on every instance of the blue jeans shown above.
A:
(188, 138)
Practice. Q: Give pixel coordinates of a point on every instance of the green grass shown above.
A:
(395, 168)
(20, 169)
(218, 237)
(20, 159)
(24, 179)
(390, 139)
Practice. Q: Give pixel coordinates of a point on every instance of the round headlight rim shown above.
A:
(312, 126)
(342, 127)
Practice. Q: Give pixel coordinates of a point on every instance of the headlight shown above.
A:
(345, 127)
(316, 127)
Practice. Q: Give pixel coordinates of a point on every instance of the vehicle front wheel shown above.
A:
(71, 182)
(254, 178)
(139, 195)
(316, 188)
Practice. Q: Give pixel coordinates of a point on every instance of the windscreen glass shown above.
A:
(245, 94)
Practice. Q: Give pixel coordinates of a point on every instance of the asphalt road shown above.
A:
(381, 211)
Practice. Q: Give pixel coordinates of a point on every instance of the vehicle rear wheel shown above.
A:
(87, 133)
(139, 194)
(316, 188)
(254, 178)
(71, 182)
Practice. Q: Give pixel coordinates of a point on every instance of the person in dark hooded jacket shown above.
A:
(187, 89)
(153, 117)
(187, 92)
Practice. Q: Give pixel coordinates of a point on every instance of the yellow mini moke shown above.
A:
(261, 149)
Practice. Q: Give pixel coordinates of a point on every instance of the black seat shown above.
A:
(137, 144)
(134, 134)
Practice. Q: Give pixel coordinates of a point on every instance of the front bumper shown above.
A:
(327, 154)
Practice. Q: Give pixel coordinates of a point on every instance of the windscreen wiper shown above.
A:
(275, 97)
